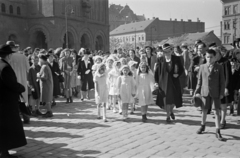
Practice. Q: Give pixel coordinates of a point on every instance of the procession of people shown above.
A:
(122, 81)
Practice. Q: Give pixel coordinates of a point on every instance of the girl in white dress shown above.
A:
(145, 86)
(109, 66)
(97, 61)
(132, 65)
(126, 89)
(112, 82)
(101, 90)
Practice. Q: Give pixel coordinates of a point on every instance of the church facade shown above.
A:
(48, 23)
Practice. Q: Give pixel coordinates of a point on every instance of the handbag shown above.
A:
(60, 78)
(159, 91)
(23, 108)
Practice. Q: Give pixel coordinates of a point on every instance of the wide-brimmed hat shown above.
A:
(197, 101)
(166, 46)
(6, 49)
(12, 44)
(97, 57)
(131, 63)
(124, 66)
(43, 57)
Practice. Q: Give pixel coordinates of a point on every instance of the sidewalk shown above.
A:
(75, 131)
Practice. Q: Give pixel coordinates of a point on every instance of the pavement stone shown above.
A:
(75, 132)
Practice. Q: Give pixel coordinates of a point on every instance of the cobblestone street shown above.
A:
(75, 131)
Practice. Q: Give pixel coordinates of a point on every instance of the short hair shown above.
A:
(149, 48)
(203, 44)
(132, 51)
(115, 51)
(184, 47)
(211, 51)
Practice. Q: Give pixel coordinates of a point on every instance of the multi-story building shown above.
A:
(44, 23)
(119, 15)
(230, 24)
(155, 30)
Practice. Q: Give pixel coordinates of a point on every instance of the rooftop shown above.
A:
(132, 27)
(229, 1)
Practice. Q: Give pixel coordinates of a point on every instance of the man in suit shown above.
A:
(211, 86)
(133, 57)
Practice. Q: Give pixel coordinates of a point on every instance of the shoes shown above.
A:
(114, 111)
(172, 116)
(54, 103)
(70, 100)
(168, 120)
(144, 118)
(99, 117)
(201, 129)
(48, 114)
(223, 125)
(38, 113)
(120, 113)
(7, 155)
(131, 113)
(67, 101)
(82, 99)
(219, 136)
(105, 120)
(26, 121)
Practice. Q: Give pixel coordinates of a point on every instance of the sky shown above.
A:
(208, 11)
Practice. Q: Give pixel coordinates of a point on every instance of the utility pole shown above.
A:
(135, 39)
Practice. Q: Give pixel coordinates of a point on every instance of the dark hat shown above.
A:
(12, 44)
(197, 101)
(166, 46)
(87, 52)
(214, 45)
(198, 41)
(6, 49)
(43, 57)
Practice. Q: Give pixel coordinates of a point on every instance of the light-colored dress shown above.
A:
(74, 78)
(145, 83)
(112, 82)
(102, 95)
(126, 88)
(20, 65)
(46, 84)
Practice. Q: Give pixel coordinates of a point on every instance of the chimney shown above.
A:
(189, 20)
(170, 19)
(181, 19)
(175, 19)
(154, 18)
(198, 20)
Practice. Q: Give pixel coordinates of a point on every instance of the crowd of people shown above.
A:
(121, 79)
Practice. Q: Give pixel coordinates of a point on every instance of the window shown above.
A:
(139, 38)
(234, 23)
(3, 8)
(143, 38)
(226, 25)
(227, 10)
(18, 11)
(133, 39)
(123, 39)
(226, 39)
(11, 9)
(235, 9)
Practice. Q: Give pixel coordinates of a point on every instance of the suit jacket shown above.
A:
(82, 68)
(153, 62)
(211, 83)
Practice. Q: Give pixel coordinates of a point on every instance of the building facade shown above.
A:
(44, 23)
(230, 24)
(119, 15)
(154, 30)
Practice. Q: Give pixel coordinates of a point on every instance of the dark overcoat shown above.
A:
(11, 128)
(162, 77)
(87, 79)
(55, 73)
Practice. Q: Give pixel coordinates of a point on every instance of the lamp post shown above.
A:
(66, 12)
(135, 39)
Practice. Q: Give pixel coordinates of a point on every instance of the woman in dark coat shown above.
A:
(168, 71)
(55, 74)
(85, 71)
(11, 128)
(223, 60)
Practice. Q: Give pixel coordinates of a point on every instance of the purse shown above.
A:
(60, 78)
(23, 108)
(159, 91)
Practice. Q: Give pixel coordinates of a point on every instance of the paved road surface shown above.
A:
(75, 131)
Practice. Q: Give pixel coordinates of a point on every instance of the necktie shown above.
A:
(210, 67)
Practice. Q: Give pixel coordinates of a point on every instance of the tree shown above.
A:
(114, 44)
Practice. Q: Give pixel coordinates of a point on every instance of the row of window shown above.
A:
(227, 10)
(227, 24)
(129, 39)
(11, 10)
(226, 39)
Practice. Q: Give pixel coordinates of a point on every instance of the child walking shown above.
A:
(145, 82)
(126, 89)
(132, 65)
(113, 87)
(101, 91)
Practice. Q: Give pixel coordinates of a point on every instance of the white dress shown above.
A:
(102, 95)
(126, 88)
(145, 83)
(112, 82)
